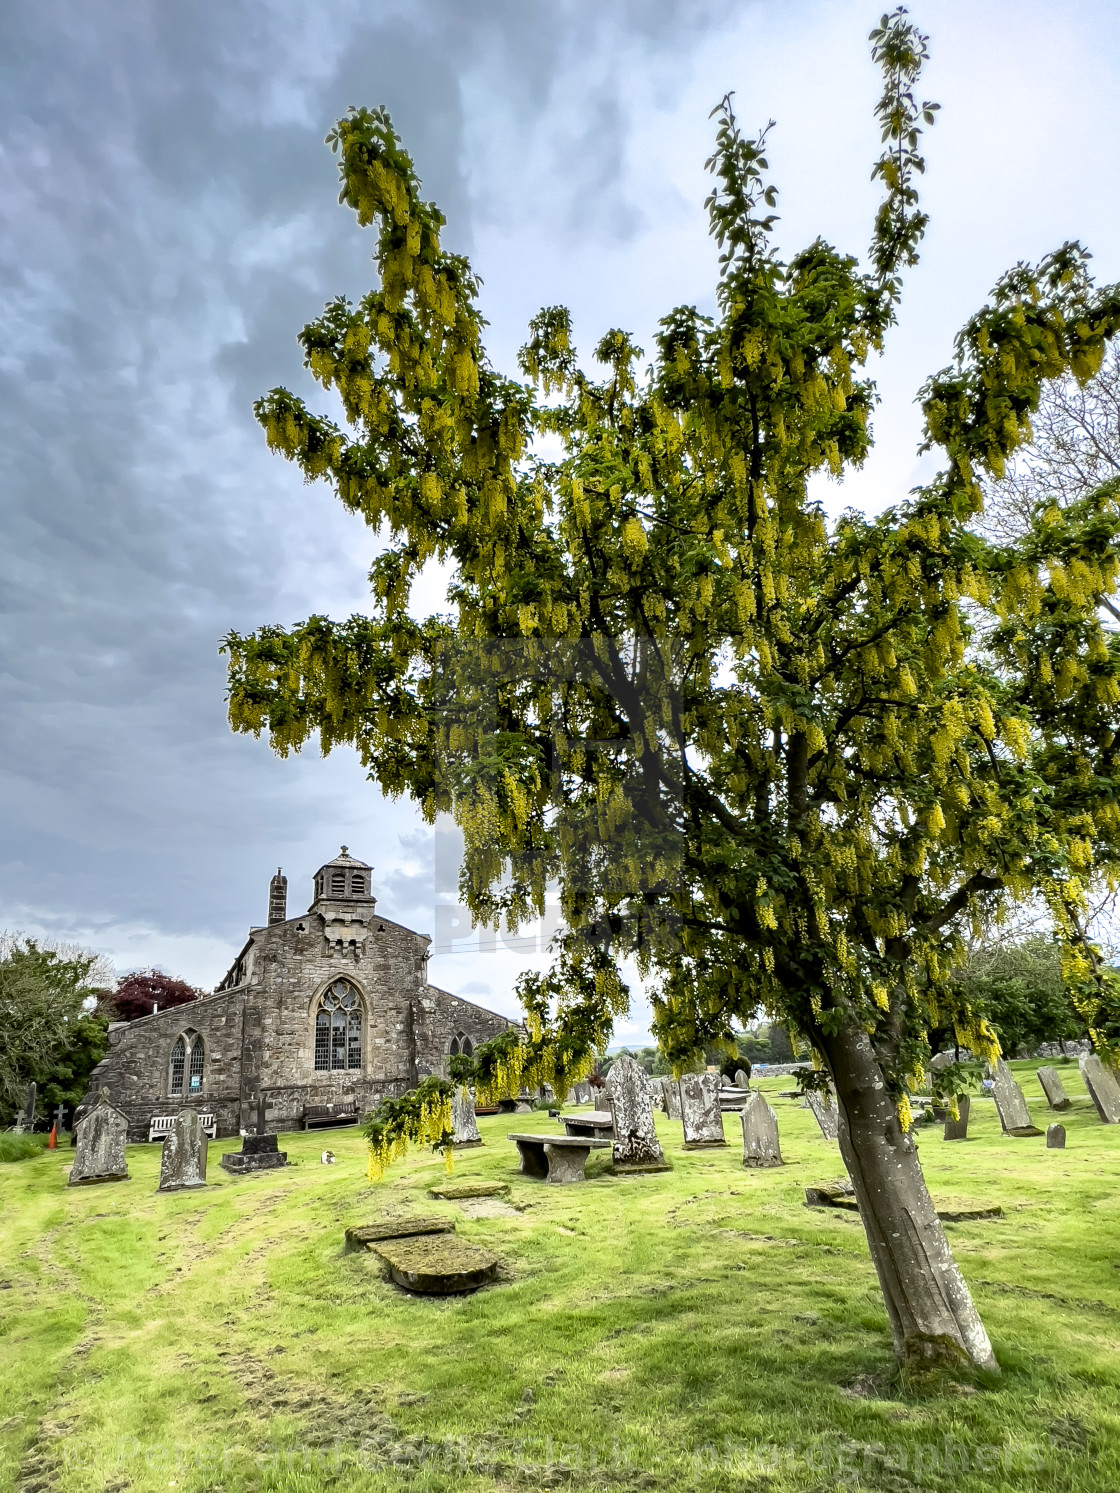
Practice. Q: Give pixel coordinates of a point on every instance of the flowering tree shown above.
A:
(774, 761)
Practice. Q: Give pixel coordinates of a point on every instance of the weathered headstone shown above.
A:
(1055, 1137)
(760, 1133)
(636, 1146)
(1056, 1096)
(824, 1112)
(183, 1162)
(26, 1120)
(958, 1129)
(1011, 1103)
(671, 1089)
(701, 1115)
(464, 1124)
(100, 1151)
(742, 1079)
(1104, 1089)
(259, 1153)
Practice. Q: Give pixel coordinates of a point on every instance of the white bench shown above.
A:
(161, 1126)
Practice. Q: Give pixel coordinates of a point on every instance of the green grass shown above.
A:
(20, 1147)
(698, 1328)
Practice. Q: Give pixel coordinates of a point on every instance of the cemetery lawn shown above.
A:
(698, 1328)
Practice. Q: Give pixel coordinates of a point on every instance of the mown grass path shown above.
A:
(692, 1329)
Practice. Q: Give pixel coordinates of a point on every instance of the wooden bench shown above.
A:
(325, 1115)
(597, 1123)
(161, 1126)
(556, 1158)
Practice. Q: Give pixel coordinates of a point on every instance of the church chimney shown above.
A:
(278, 898)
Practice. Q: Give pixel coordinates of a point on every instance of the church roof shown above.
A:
(344, 858)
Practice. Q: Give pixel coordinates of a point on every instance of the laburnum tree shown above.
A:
(778, 762)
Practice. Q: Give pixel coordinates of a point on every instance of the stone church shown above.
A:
(329, 1008)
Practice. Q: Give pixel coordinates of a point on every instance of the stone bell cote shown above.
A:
(344, 880)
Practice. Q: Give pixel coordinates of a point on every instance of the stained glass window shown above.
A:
(338, 1029)
(197, 1056)
(178, 1064)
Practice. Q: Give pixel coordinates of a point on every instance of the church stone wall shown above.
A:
(137, 1067)
(259, 1029)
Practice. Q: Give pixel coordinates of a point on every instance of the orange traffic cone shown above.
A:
(52, 1139)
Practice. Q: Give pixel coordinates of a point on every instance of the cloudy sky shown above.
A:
(170, 222)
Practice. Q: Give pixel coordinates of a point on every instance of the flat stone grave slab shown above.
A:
(1052, 1087)
(556, 1158)
(596, 1122)
(437, 1264)
(455, 1191)
(841, 1194)
(488, 1208)
(362, 1235)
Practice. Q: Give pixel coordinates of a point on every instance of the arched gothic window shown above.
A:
(188, 1058)
(338, 1029)
(461, 1045)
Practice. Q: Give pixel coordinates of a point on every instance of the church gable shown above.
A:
(331, 1007)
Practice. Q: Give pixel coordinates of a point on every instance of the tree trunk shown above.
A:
(933, 1319)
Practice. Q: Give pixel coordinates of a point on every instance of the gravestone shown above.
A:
(523, 1105)
(760, 1133)
(464, 1124)
(636, 1147)
(824, 1112)
(183, 1161)
(671, 1089)
(258, 1153)
(742, 1079)
(26, 1120)
(100, 1151)
(958, 1129)
(1011, 1103)
(1056, 1096)
(701, 1115)
(1055, 1137)
(1104, 1089)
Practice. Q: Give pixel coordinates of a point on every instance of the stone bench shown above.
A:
(325, 1115)
(556, 1158)
(161, 1126)
(597, 1123)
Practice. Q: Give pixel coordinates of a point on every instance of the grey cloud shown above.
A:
(170, 223)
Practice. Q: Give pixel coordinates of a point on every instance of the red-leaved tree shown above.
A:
(148, 990)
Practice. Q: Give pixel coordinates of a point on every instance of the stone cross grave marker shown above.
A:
(701, 1115)
(1011, 1103)
(99, 1156)
(635, 1139)
(1056, 1096)
(183, 1162)
(1104, 1089)
(262, 1116)
(671, 1089)
(958, 1129)
(464, 1123)
(760, 1133)
(1055, 1137)
(824, 1112)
